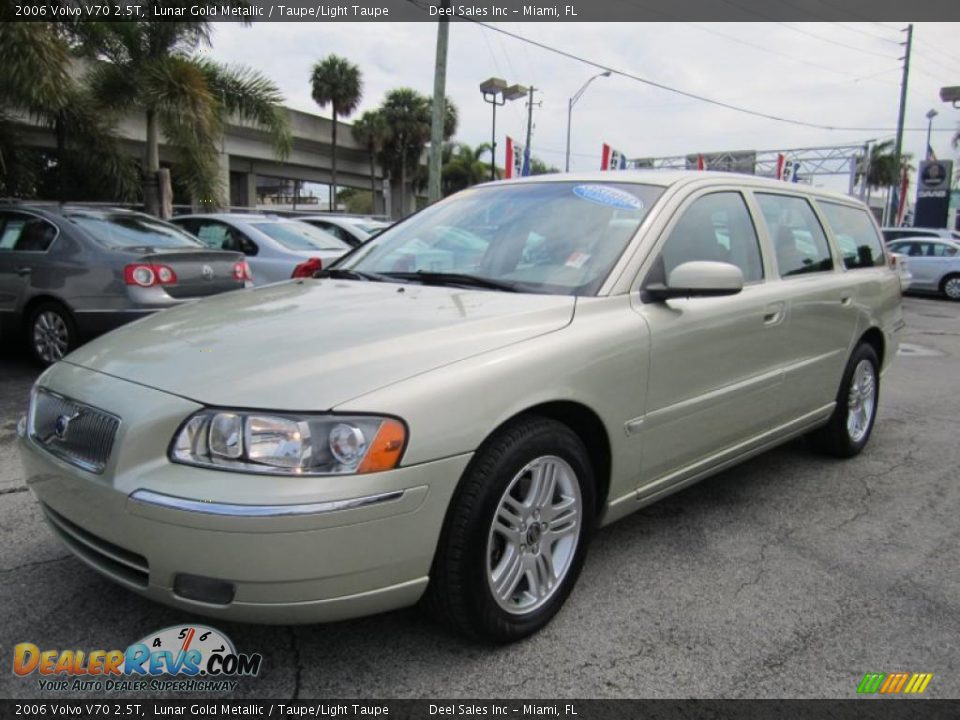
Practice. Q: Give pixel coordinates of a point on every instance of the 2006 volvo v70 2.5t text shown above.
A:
(455, 406)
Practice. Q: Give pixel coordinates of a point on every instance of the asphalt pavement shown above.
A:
(789, 576)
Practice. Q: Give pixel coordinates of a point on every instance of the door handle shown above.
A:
(846, 300)
(773, 313)
(23, 271)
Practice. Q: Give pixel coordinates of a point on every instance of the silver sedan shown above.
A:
(934, 264)
(274, 247)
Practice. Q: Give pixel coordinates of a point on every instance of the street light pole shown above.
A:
(931, 114)
(570, 103)
(496, 92)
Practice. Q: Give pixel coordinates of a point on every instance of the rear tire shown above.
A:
(516, 533)
(51, 332)
(850, 426)
(950, 287)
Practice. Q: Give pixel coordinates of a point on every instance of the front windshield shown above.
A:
(295, 235)
(559, 238)
(133, 231)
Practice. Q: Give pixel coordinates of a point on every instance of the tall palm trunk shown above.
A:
(373, 184)
(333, 162)
(403, 186)
(61, 132)
(151, 186)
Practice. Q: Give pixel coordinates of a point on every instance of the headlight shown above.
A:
(283, 444)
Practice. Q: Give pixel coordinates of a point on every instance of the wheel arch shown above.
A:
(873, 337)
(588, 426)
(39, 299)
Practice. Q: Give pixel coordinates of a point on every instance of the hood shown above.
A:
(314, 344)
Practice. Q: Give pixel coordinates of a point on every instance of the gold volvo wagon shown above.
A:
(451, 410)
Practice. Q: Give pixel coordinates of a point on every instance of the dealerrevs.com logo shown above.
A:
(201, 659)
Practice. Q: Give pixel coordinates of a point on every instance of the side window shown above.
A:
(944, 250)
(859, 243)
(715, 227)
(25, 233)
(902, 248)
(336, 231)
(799, 241)
(213, 234)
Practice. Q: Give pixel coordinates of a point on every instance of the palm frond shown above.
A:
(174, 87)
(35, 61)
(337, 81)
(250, 96)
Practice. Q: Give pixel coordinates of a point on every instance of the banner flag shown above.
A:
(514, 162)
(612, 159)
(701, 163)
(781, 165)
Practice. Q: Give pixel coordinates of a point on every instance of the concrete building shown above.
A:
(251, 171)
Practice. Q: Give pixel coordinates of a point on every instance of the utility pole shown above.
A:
(527, 155)
(898, 149)
(439, 107)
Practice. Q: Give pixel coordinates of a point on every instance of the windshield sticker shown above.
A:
(577, 260)
(610, 196)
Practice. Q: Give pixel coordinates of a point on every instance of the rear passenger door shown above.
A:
(715, 362)
(24, 241)
(821, 300)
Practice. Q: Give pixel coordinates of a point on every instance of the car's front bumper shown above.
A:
(292, 549)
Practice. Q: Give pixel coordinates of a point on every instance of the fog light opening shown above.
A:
(204, 589)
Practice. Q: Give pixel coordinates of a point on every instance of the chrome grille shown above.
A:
(75, 432)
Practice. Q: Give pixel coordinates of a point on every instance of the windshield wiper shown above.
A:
(448, 278)
(345, 274)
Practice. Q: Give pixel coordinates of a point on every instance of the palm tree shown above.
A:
(37, 83)
(408, 115)
(337, 81)
(153, 67)
(882, 170)
(463, 167)
(372, 131)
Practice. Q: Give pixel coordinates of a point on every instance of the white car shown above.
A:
(934, 264)
(354, 231)
(275, 247)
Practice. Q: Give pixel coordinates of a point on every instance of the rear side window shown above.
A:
(132, 230)
(920, 248)
(25, 233)
(715, 227)
(799, 241)
(856, 235)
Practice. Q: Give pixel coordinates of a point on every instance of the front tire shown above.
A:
(51, 332)
(850, 426)
(516, 534)
(950, 287)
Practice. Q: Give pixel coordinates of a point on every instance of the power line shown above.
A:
(678, 91)
(838, 43)
(773, 52)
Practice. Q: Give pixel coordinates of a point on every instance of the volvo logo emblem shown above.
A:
(62, 425)
(207, 272)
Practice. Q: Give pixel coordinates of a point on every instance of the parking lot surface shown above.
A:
(789, 576)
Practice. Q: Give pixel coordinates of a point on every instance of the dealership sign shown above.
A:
(933, 194)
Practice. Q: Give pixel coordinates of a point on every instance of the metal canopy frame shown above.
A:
(849, 160)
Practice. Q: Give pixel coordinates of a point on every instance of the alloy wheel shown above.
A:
(534, 534)
(952, 288)
(861, 400)
(51, 337)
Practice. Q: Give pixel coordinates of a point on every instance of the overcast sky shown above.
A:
(838, 74)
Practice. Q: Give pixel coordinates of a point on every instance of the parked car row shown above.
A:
(69, 272)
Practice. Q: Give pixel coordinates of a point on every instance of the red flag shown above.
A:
(605, 159)
(781, 164)
(701, 163)
(508, 160)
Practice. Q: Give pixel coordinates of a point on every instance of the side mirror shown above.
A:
(698, 279)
